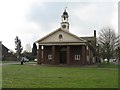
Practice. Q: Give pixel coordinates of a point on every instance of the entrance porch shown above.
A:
(62, 54)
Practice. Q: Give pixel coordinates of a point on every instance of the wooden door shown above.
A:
(63, 57)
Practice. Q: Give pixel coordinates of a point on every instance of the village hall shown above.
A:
(63, 47)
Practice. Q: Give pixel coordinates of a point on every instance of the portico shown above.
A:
(65, 54)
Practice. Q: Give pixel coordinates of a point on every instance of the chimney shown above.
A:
(94, 37)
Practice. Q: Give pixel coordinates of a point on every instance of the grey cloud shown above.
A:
(50, 12)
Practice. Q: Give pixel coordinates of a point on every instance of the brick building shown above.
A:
(6, 54)
(63, 47)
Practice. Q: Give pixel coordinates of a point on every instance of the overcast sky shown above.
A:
(32, 19)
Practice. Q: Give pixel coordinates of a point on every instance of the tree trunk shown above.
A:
(108, 60)
(21, 62)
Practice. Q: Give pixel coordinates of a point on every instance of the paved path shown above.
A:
(18, 63)
(117, 63)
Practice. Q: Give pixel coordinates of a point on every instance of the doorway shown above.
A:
(63, 55)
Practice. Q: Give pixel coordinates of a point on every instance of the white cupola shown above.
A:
(64, 23)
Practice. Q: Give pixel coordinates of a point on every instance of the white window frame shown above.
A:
(93, 59)
(49, 57)
(77, 57)
(87, 48)
(88, 58)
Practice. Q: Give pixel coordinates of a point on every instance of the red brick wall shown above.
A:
(74, 50)
(46, 52)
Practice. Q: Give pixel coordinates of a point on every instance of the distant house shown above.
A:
(63, 47)
(6, 54)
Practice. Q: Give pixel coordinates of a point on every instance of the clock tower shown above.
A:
(64, 23)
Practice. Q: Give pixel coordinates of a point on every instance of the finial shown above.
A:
(65, 8)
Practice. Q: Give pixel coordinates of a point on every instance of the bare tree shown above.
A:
(18, 47)
(108, 43)
(28, 48)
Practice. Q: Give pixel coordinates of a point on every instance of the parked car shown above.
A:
(35, 60)
(24, 59)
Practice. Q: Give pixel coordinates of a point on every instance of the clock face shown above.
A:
(64, 26)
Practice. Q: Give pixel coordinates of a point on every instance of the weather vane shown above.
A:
(65, 8)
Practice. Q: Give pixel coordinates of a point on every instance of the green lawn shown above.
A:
(37, 76)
